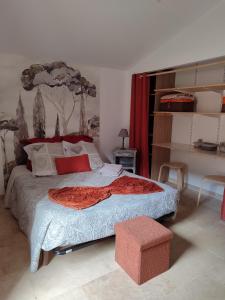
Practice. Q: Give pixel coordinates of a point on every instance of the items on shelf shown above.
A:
(179, 102)
(205, 145)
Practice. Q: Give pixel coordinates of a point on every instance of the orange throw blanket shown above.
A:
(86, 196)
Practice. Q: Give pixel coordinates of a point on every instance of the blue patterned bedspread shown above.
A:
(49, 225)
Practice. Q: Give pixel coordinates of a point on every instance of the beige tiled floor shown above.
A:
(197, 271)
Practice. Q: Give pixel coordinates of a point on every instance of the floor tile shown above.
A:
(74, 269)
(197, 263)
(74, 294)
(201, 288)
(15, 287)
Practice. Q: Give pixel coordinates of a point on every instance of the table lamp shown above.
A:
(123, 133)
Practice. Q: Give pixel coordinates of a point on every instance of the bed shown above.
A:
(49, 225)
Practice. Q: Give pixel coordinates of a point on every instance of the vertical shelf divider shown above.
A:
(162, 129)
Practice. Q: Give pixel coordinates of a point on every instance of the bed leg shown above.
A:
(45, 258)
(174, 216)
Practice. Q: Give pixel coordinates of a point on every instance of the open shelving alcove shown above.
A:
(161, 125)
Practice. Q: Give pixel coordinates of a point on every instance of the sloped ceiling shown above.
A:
(109, 33)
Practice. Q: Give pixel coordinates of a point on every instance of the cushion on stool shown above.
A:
(145, 231)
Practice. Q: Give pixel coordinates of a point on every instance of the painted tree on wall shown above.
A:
(58, 75)
(39, 115)
(57, 128)
(6, 125)
(85, 89)
(93, 125)
(21, 133)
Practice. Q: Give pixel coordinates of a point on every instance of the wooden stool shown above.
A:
(218, 179)
(179, 167)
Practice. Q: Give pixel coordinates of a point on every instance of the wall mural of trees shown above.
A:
(39, 115)
(58, 74)
(21, 133)
(50, 83)
(7, 124)
(57, 128)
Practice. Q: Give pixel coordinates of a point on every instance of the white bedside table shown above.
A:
(126, 158)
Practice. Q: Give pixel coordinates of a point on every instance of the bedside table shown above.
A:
(126, 158)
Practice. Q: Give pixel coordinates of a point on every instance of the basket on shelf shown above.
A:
(178, 102)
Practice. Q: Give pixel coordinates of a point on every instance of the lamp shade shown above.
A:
(123, 133)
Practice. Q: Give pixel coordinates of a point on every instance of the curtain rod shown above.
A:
(196, 66)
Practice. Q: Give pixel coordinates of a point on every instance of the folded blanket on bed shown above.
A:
(111, 170)
(86, 196)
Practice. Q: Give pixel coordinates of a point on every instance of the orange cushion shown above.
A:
(72, 164)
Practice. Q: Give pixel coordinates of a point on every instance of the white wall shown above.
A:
(203, 39)
(110, 93)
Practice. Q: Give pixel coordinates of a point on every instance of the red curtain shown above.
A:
(139, 121)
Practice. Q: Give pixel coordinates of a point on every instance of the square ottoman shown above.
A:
(142, 248)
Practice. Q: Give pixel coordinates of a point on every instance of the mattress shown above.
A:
(49, 225)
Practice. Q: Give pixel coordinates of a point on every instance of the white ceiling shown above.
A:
(110, 33)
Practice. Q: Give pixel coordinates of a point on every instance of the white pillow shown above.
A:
(42, 156)
(70, 149)
(82, 147)
(111, 170)
(94, 157)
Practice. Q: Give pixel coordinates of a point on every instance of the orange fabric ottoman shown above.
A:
(142, 248)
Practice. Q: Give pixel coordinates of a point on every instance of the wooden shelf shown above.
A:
(188, 148)
(163, 121)
(197, 88)
(169, 113)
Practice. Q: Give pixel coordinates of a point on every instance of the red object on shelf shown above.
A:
(223, 207)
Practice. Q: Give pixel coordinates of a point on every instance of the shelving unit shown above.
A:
(162, 145)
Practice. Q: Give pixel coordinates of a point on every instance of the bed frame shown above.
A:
(47, 256)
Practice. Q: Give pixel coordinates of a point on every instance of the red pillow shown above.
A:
(72, 164)
(76, 138)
